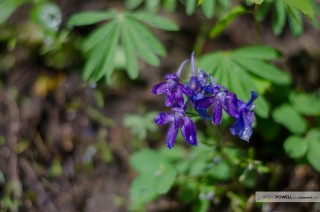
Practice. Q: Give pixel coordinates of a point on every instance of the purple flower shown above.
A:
(221, 99)
(178, 121)
(243, 125)
(203, 92)
(172, 89)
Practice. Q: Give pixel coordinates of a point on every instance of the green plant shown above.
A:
(305, 140)
(209, 8)
(288, 9)
(140, 124)
(123, 36)
(245, 69)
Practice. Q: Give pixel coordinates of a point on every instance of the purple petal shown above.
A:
(188, 131)
(254, 96)
(230, 105)
(242, 127)
(193, 68)
(163, 118)
(204, 103)
(179, 97)
(202, 77)
(172, 135)
(237, 127)
(181, 67)
(250, 117)
(171, 77)
(159, 88)
(169, 99)
(194, 84)
(217, 113)
(203, 113)
(185, 90)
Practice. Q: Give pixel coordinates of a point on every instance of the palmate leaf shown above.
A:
(279, 18)
(240, 70)
(288, 9)
(155, 21)
(88, 18)
(123, 31)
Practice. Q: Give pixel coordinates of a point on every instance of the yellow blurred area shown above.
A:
(44, 84)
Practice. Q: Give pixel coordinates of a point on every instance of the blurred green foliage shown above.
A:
(217, 169)
(140, 124)
(123, 35)
(291, 10)
(199, 172)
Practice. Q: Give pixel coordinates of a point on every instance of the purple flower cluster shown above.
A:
(204, 94)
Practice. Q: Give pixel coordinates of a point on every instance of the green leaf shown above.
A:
(288, 117)
(190, 6)
(262, 107)
(306, 104)
(175, 154)
(295, 21)
(225, 20)
(261, 84)
(227, 71)
(220, 171)
(208, 7)
(257, 52)
(96, 37)
(7, 7)
(158, 168)
(156, 21)
(210, 62)
(131, 57)
(147, 161)
(197, 167)
(313, 154)
(225, 3)
(291, 9)
(263, 70)
(295, 146)
(147, 37)
(124, 37)
(304, 6)
(107, 65)
(279, 18)
(94, 59)
(142, 190)
(263, 10)
(88, 18)
(165, 179)
(152, 6)
(142, 49)
(140, 124)
(101, 61)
